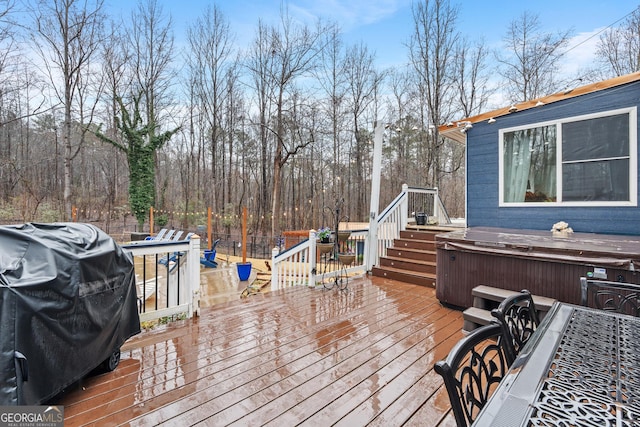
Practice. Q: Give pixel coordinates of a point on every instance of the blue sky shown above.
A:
(385, 25)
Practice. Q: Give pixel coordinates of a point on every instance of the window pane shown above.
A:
(529, 165)
(596, 138)
(596, 181)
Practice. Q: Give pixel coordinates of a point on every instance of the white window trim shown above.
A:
(633, 160)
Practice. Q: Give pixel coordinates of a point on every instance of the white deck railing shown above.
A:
(167, 277)
(300, 265)
(303, 265)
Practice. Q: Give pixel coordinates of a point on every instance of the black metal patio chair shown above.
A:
(472, 371)
(620, 297)
(519, 319)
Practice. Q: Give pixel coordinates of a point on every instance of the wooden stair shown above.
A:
(412, 258)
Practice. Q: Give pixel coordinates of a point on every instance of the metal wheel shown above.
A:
(112, 362)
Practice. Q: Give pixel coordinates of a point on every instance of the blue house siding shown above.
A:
(483, 181)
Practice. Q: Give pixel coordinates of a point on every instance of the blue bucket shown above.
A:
(244, 270)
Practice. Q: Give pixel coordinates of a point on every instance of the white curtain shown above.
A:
(517, 164)
(530, 164)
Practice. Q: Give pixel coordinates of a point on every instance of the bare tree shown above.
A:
(431, 51)
(117, 77)
(68, 36)
(531, 65)
(472, 77)
(281, 56)
(152, 54)
(619, 48)
(363, 82)
(10, 86)
(260, 64)
(209, 61)
(331, 75)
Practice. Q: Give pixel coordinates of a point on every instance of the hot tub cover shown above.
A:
(67, 302)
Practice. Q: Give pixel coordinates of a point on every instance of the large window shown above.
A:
(586, 160)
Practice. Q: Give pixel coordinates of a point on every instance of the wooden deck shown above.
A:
(295, 356)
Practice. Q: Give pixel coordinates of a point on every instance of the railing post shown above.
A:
(193, 276)
(372, 256)
(312, 258)
(275, 280)
(404, 208)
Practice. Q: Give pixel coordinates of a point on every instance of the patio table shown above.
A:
(581, 368)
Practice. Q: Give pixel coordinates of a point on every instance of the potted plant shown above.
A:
(324, 235)
(324, 245)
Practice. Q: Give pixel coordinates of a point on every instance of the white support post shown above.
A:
(313, 265)
(193, 276)
(436, 205)
(275, 284)
(404, 208)
(372, 256)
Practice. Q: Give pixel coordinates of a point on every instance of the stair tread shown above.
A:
(426, 251)
(499, 294)
(407, 272)
(478, 315)
(410, 260)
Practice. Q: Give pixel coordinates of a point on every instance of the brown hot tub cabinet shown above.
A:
(545, 264)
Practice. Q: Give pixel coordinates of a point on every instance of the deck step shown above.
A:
(405, 276)
(483, 293)
(414, 265)
(425, 245)
(409, 253)
(412, 258)
(474, 317)
(487, 298)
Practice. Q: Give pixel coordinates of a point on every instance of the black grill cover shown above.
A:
(67, 301)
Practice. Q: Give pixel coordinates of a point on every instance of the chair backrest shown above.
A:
(620, 297)
(519, 319)
(157, 236)
(472, 371)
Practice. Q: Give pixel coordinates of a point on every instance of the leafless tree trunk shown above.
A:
(209, 61)
(115, 57)
(363, 81)
(280, 56)
(331, 75)
(260, 64)
(431, 50)
(68, 36)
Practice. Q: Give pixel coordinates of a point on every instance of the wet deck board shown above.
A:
(295, 356)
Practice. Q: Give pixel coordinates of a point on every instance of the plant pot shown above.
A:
(421, 218)
(244, 270)
(324, 248)
(343, 236)
(346, 259)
